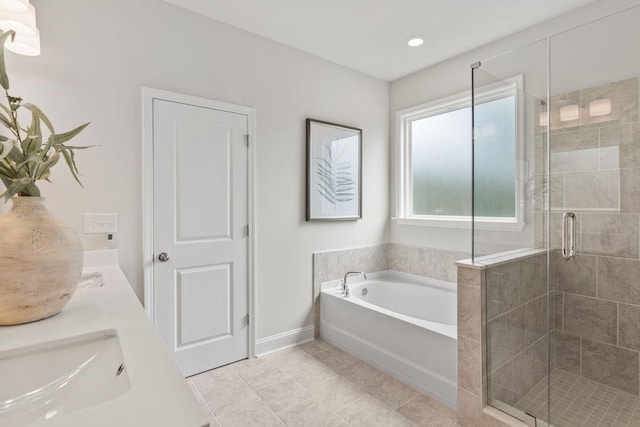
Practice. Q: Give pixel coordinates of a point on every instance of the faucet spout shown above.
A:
(345, 288)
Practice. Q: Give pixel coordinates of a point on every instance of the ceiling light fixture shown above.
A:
(415, 41)
(27, 38)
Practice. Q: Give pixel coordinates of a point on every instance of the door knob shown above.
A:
(163, 257)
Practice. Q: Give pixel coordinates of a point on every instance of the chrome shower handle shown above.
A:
(568, 235)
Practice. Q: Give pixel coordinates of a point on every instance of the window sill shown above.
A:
(464, 223)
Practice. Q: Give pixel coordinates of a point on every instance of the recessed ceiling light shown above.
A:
(415, 41)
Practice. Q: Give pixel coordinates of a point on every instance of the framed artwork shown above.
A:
(334, 172)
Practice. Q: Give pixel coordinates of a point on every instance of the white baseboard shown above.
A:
(284, 340)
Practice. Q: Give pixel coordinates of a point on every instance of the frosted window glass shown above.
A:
(441, 164)
(441, 161)
(495, 154)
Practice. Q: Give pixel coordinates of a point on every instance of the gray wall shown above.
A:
(595, 165)
(517, 329)
(96, 56)
(453, 76)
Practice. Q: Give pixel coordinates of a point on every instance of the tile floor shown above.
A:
(313, 384)
(578, 401)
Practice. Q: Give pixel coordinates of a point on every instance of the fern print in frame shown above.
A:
(334, 172)
(334, 177)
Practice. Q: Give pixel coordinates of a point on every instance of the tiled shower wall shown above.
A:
(517, 330)
(502, 334)
(595, 172)
(434, 263)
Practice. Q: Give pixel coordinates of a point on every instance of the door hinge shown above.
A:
(246, 230)
(248, 318)
(247, 138)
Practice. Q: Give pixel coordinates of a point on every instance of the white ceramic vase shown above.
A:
(40, 262)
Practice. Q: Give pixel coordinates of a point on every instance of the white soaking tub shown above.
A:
(401, 323)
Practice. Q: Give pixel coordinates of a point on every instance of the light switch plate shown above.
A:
(95, 223)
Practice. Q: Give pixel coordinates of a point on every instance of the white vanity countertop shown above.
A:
(159, 395)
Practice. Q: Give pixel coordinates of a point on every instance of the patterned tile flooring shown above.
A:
(577, 401)
(313, 384)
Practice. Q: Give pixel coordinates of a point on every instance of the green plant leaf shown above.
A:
(15, 155)
(31, 189)
(27, 160)
(16, 186)
(4, 79)
(69, 158)
(5, 108)
(5, 171)
(37, 112)
(5, 147)
(32, 143)
(26, 145)
(6, 122)
(6, 181)
(50, 142)
(35, 125)
(78, 147)
(48, 164)
(61, 138)
(25, 156)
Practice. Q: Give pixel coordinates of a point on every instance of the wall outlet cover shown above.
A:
(95, 223)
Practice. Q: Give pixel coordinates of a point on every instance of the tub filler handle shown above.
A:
(345, 288)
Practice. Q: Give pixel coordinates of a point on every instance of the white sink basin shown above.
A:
(58, 377)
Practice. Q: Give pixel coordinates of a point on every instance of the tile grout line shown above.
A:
(298, 383)
(368, 394)
(619, 414)
(385, 408)
(253, 391)
(260, 397)
(201, 396)
(314, 396)
(294, 380)
(618, 324)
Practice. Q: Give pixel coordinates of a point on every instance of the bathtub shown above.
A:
(403, 324)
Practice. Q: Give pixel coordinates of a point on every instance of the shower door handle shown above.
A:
(568, 235)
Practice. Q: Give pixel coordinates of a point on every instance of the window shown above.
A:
(435, 159)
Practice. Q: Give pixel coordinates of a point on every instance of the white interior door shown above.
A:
(200, 217)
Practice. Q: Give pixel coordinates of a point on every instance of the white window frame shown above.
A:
(403, 176)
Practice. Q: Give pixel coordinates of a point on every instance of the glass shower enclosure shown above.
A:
(556, 207)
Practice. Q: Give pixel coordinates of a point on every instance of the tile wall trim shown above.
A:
(499, 258)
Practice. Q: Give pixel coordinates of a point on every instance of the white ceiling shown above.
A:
(370, 35)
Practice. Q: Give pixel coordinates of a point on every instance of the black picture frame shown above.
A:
(334, 171)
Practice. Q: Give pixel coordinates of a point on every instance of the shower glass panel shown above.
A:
(509, 168)
(561, 288)
(595, 187)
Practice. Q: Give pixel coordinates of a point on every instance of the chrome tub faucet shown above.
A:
(345, 288)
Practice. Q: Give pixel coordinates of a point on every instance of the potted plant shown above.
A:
(40, 257)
